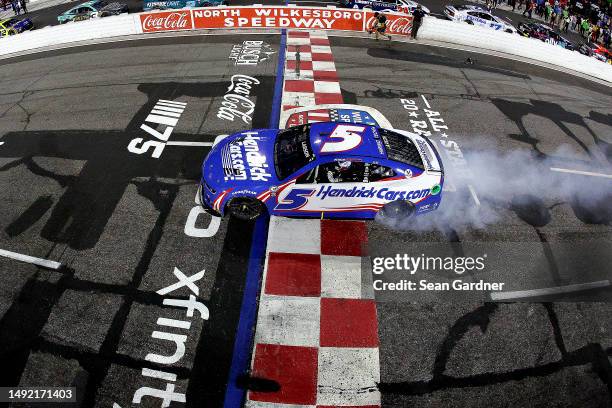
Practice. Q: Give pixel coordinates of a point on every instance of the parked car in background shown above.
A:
(92, 9)
(596, 51)
(405, 6)
(14, 26)
(477, 16)
(179, 4)
(544, 33)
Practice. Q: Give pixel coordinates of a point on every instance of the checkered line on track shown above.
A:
(317, 329)
(310, 72)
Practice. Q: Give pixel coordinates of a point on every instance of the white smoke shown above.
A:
(517, 181)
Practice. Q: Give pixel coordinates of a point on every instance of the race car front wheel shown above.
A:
(397, 210)
(245, 208)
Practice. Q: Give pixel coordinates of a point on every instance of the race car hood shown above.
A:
(113, 7)
(430, 156)
(20, 25)
(242, 160)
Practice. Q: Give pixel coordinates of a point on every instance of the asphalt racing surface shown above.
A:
(118, 222)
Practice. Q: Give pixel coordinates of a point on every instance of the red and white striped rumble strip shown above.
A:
(310, 72)
(316, 334)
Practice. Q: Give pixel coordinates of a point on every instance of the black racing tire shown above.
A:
(593, 210)
(397, 210)
(245, 208)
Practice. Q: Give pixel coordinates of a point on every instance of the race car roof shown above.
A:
(369, 145)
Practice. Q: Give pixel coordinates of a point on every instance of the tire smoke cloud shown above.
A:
(518, 181)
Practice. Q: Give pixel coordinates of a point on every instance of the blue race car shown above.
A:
(14, 26)
(336, 170)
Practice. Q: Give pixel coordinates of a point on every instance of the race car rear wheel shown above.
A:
(397, 210)
(245, 208)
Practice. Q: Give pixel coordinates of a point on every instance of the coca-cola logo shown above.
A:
(167, 22)
(398, 25)
(236, 102)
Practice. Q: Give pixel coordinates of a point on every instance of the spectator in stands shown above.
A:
(566, 20)
(606, 37)
(584, 27)
(594, 32)
(15, 4)
(528, 7)
(417, 19)
(557, 14)
(380, 26)
(574, 22)
(540, 7)
(23, 6)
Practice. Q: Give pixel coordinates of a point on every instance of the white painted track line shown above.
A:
(180, 143)
(549, 291)
(426, 102)
(474, 196)
(30, 259)
(583, 173)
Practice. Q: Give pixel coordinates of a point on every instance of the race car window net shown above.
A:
(345, 171)
(308, 177)
(359, 172)
(400, 148)
(292, 150)
(376, 172)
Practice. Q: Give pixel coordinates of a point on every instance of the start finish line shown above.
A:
(271, 17)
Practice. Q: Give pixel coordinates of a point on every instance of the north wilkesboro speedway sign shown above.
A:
(271, 17)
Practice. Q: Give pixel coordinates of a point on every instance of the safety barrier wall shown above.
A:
(484, 38)
(124, 24)
(302, 18)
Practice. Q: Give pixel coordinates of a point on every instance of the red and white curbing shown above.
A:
(310, 72)
(317, 329)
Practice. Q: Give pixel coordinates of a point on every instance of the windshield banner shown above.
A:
(307, 18)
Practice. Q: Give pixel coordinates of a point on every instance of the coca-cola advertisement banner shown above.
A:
(396, 23)
(166, 21)
(272, 17)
